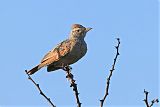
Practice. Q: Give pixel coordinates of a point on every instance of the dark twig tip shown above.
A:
(67, 76)
(111, 71)
(118, 39)
(39, 89)
(157, 100)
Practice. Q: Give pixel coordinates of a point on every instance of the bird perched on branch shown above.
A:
(65, 53)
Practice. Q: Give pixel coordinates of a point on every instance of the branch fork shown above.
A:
(146, 100)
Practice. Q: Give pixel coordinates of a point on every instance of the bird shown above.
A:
(65, 53)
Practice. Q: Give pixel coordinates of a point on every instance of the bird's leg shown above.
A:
(66, 67)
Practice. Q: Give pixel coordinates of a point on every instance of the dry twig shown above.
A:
(70, 76)
(39, 89)
(146, 99)
(110, 75)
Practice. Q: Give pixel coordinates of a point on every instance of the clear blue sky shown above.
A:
(30, 28)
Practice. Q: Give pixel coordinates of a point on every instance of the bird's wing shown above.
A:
(55, 54)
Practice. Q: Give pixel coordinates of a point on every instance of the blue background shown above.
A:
(30, 28)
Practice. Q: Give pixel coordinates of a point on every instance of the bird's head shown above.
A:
(78, 31)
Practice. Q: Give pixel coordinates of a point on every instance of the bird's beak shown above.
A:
(88, 29)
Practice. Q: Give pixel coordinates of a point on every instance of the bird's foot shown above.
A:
(66, 68)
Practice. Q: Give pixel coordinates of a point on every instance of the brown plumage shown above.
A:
(67, 52)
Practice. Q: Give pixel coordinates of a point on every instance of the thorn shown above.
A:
(101, 100)
(111, 70)
(41, 93)
(67, 76)
(73, 80)
(69, 67)
(146, 91)
(157, 100)
(37, 85)
(118, 39)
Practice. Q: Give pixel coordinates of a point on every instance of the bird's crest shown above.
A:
(77, 26)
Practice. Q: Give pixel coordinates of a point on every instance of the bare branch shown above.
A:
(110, 75)
(146, 99)
(70, 77)
(154, 101)
(40, 91)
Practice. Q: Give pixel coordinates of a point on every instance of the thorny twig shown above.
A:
(146, 99)
(110, 75)
(39, 89)
(70, 76)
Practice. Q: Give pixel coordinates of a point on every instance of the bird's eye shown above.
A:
(78, 30)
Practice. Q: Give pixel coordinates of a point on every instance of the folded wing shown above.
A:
(56, 54)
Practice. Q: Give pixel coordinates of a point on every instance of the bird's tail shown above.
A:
(33, 70)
